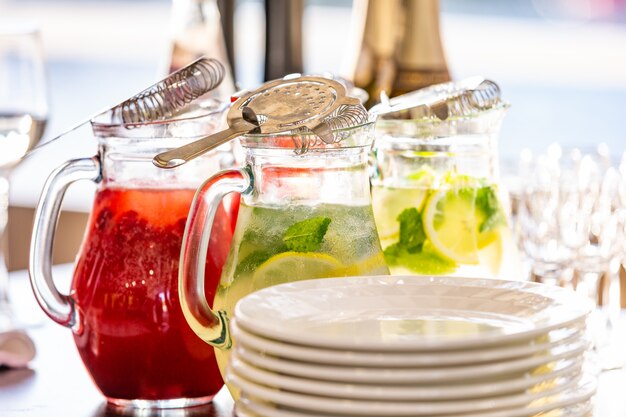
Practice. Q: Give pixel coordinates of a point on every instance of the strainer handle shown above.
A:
(59, 307)
(211, 326)
(184, 154)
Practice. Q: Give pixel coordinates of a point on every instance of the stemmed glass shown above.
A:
(540, 223)
(23, 115)
(572, 229)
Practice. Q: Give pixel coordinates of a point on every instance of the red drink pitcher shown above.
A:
(123, 306)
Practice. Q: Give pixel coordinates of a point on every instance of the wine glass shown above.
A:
(572, 223)
(23, 115)
(540, 223)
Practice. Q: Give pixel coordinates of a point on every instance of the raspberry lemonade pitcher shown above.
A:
(302, 216)
(437, 203)
(123, 306)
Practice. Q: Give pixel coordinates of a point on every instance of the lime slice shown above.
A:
(294, 266)
(451, 224)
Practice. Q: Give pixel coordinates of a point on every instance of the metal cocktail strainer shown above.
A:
(160, 101)
(445, 101)
(292, 104)
(169, 96)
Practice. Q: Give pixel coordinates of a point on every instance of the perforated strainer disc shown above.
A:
(276, 107)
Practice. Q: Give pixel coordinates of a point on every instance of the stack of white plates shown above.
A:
(411, 346)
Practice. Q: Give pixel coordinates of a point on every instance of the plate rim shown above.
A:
(396, 359)
(374, 408)
(462, 392)
(254, 323)
(399, 375)
(587, 405)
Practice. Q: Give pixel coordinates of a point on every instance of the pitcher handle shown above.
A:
(59, 307)
(209, 325)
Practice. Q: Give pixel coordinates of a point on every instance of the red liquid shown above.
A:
(133, 337)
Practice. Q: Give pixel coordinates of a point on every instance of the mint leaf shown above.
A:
(427, 262)
(392, 253)
(412, 234)
(307, 235)
(487, 201)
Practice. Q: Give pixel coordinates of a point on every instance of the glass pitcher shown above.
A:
(437, 202)
(123, 306)
(302, 216)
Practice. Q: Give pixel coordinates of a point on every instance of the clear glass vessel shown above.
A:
(437, 201)
(302, 216)
(123, 306)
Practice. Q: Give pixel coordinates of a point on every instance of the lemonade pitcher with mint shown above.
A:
(437, 202)
(302, 215)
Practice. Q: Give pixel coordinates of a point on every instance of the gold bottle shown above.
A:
(399, 47)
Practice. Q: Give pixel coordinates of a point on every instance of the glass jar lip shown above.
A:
(500, 107)
(194, 113)
(349, 138)
(195, 122)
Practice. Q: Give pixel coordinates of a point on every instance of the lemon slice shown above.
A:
(491, 254)
(373, 265)
(451, 224)
(423, 176)
(485, 239)
(388, 202)
(294, 266)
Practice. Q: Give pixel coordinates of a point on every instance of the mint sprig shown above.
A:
(425, 262)
(412, 235)
(487, 201)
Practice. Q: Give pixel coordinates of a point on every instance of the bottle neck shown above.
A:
(197, 31)
(400, 48)
(419, 56)
(377, 26)
(283, 38)
(280, 177)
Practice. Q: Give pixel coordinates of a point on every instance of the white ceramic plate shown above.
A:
(405, 359)
(414, 313)
(476, 373)
(247, 407)
(387, 392)
(580, 390)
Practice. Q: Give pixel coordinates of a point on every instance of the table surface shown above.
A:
(56, 384)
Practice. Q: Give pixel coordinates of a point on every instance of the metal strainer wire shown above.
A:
(294, 104)
(170, 95)
(159, 101)
(344, 117)
(442, 101)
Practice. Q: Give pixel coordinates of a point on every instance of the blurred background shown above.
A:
(560, 63)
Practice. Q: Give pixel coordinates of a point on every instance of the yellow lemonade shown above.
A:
(449, 225)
